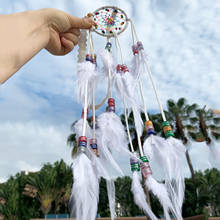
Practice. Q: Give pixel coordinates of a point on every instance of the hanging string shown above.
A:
(127, 126)
(90, 48)
(85, 109)
(150, 75)
(109, 76)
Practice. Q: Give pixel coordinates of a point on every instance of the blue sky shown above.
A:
(38, 104)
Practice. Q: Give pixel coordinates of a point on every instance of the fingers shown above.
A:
(71, 37)
(81, 23)
(67, 46)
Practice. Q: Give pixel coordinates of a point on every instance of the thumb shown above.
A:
(81, 23)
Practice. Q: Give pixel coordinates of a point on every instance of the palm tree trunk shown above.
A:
(190, 165)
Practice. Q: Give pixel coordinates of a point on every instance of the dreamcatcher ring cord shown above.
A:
(151, 76)
(127, 127)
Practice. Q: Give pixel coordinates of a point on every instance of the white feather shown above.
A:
(164, 156)
(86, 71)
(98, 164)
(138, 120)
(139, 195)
(85, 190)
(159, 190)
(107, 60)
(111, 197)
(79, 126)
(112, 133)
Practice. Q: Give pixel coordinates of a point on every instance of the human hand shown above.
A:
(64, 30)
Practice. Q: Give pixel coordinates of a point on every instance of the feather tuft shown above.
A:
(139, 195)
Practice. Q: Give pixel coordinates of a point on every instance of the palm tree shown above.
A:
(72, 141)
(208, 190)
(178, 114)
(9, 195)
(64, 179)
(207, 125)
(45, 183)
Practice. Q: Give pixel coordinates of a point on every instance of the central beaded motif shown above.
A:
(110, 21)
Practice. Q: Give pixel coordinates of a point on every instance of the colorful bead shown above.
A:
(135, 166)
(119, 68)
(124, 68)
(140, 45)
(108, 46)
(167, 129)
(149, 127)
(93, 145)
(145, 169)
(82, 144)
(111, 105)
(88, 57)
(82, 139)
(135, 49)
(93, 59)
(144, 159)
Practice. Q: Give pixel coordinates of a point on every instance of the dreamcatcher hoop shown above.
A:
(110, 21)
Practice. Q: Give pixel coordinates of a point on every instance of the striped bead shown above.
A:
(140, 45)
(149, 127)
(168, 132)
(111, 105)
(135, 49)
(145, 169)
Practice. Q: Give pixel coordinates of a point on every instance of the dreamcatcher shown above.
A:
(98, 144)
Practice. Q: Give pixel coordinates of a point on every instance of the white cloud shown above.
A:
(28, 145)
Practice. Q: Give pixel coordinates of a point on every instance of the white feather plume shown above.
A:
(111, 197)
(86, 71)
(164, 156)
(159, 190)
(112, 133)
(78, 127)
(107, 60)
(85, 190)
(139, 195)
